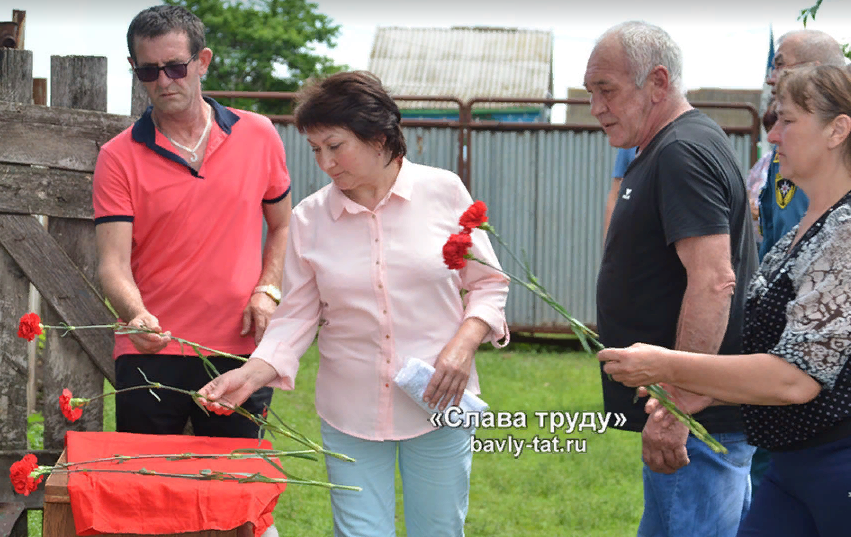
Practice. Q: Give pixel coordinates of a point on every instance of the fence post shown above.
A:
(16, 75)
(39, 98)
(75, 82)
(16, 86)
(139, 100)
(40, 91)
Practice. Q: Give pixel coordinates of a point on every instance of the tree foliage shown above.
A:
(810, 13)
(264, 45)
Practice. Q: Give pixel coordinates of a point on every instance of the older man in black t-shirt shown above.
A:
(678, 258)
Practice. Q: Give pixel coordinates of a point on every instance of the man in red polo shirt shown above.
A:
(179, 201)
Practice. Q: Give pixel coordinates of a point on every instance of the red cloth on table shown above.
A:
(133, 503)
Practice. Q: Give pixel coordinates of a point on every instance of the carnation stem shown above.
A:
(584, 333)
(694, 426)
(263, 423)
(285, 430)
(123, 329)
(586, 336)
(234, 455)
(210, 475)
(490, 229)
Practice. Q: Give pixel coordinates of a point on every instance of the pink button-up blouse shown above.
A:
(376, 285)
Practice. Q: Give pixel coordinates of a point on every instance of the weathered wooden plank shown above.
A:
(47, 191)
(61, 285)
(139, 100)
(66, 363)
(16, 75)
(55, 137)
(15, 85)
(14, 289)
(13, 519)
(98, 124)
(76, 82)
(7, 457)
(39, 91)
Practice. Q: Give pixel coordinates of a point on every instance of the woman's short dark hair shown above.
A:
(160, 20)
(769, 118)
(356, 101)
(823, 90)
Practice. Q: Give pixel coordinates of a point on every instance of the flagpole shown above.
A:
(765, 147)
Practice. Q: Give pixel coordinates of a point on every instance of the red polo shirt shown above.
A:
(196, 254)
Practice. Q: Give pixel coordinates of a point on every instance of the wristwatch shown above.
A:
(271, 291)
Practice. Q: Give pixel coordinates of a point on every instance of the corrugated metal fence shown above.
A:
(434, 146)
(546, 191)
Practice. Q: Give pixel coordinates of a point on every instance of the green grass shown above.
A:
(596, 493)
(35, 440)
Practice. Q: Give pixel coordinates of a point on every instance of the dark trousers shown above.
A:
(805, 493)
(138, 411)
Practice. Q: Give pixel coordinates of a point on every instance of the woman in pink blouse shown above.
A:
(364, 262)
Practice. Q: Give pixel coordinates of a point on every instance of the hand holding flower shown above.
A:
(663, 445)
(148, 343)
(235, 386)
(637, 365)
(664, 436)
(688, 402)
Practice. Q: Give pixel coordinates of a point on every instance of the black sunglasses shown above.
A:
(150, 73)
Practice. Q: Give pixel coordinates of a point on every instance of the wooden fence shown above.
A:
(47, 157)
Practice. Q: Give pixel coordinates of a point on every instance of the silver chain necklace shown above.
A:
(193, 156)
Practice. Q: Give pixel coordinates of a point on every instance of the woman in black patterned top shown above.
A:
(794, 382)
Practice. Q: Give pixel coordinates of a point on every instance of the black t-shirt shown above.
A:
(686, 183)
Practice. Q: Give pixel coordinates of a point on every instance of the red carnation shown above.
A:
(456, 250)
(218, 409)
(70, 412)
(221, 410)
(20, 475)
(30, 326)
(474, 216)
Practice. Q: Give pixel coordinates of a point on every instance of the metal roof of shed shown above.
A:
(463, 62)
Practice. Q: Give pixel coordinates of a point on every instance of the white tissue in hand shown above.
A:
(414, 377)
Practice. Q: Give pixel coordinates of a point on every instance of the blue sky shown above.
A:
(724, 42)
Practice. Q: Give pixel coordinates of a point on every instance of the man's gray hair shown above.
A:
(647, 46)
(815, 46)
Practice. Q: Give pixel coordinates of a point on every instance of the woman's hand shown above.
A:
(451, 373)
(237, 385)
(453, 365)
(638, 365)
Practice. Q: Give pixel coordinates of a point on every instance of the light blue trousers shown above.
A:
(435, 470)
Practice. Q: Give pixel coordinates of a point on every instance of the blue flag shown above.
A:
(770, 65)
